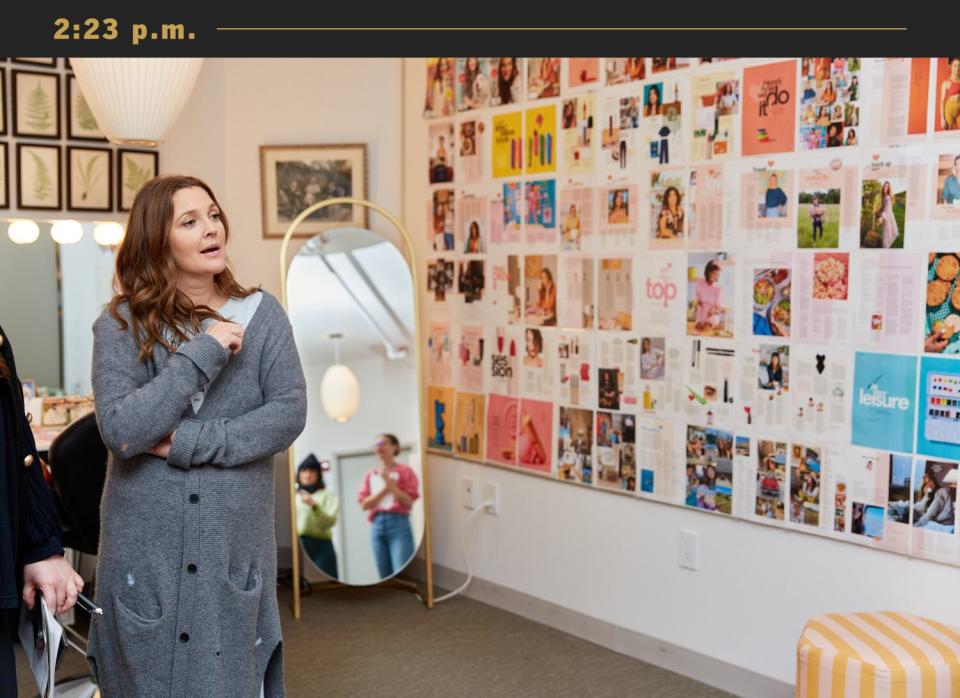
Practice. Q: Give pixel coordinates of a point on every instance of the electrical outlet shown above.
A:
(688, 554)
(468, 488)
(491, 493)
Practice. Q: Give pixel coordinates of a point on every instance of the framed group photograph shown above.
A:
(294, 177)
(89, 180)
(4, 176)
(134, 169)
(36, 104)
(38, 176)
(81, 123)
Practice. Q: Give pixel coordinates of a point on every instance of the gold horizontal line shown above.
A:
(560, 29)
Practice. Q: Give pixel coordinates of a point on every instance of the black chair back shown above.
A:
(78, 462)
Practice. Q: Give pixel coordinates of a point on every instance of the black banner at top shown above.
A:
(570, 29)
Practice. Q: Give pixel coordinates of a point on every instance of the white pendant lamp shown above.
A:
(66, 232)
(23, 231)
(108, 234)
(136, 100)
(339, 390)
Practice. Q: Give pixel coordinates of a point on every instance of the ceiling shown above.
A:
(319, 305)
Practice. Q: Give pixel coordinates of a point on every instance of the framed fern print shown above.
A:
(89, 179)
(38, 176)
(36, 104)
(4, 177)
(3, 102)
(135, 168)
(81, 123)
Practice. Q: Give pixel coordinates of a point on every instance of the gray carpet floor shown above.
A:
(378, 643)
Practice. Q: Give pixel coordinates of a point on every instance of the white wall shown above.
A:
(240, 104)
(615, 557)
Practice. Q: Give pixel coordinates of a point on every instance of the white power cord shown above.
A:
(466, 556)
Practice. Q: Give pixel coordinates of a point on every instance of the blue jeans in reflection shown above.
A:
(392, 540)
(322, 553)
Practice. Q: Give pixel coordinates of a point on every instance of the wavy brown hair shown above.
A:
(147, 274)
(4, 371)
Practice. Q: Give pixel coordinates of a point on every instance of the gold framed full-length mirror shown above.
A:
(358, 479)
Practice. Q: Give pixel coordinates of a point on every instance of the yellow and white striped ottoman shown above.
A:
(883, 655)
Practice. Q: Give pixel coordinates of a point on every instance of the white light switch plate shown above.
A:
(688, 553)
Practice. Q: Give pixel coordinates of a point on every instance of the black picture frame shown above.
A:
(121, 173)
(47, 62)
(70, 80)
(59, 178)
(17, 131)
(4, 128)
(5, 164)
(71, 149)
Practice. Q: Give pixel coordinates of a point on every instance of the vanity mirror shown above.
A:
(50, 295)
(358, 486)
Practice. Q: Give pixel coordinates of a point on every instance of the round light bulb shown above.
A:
(66, 232)
(340, 393)
(23, 231)
(108, 234)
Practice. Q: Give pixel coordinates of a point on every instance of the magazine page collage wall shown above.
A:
(725, 284)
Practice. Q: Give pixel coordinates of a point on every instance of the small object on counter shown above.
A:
(54, 413)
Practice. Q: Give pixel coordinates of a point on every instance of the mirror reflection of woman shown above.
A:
(387, 495)
(317, 512)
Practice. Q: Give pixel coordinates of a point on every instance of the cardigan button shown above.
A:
(194, 498)
(184, 637)
(192, 568)
(28, 461)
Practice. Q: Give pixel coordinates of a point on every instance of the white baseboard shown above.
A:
(713, 672)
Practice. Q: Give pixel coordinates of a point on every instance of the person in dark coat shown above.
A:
(31, 556)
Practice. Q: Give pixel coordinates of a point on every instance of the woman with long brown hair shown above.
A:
(197, 384)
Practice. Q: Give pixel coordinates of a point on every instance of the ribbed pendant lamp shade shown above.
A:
(136, 100)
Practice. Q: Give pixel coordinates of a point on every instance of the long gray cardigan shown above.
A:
(186, 574)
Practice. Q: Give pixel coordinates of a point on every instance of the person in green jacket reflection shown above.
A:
(317, 513)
